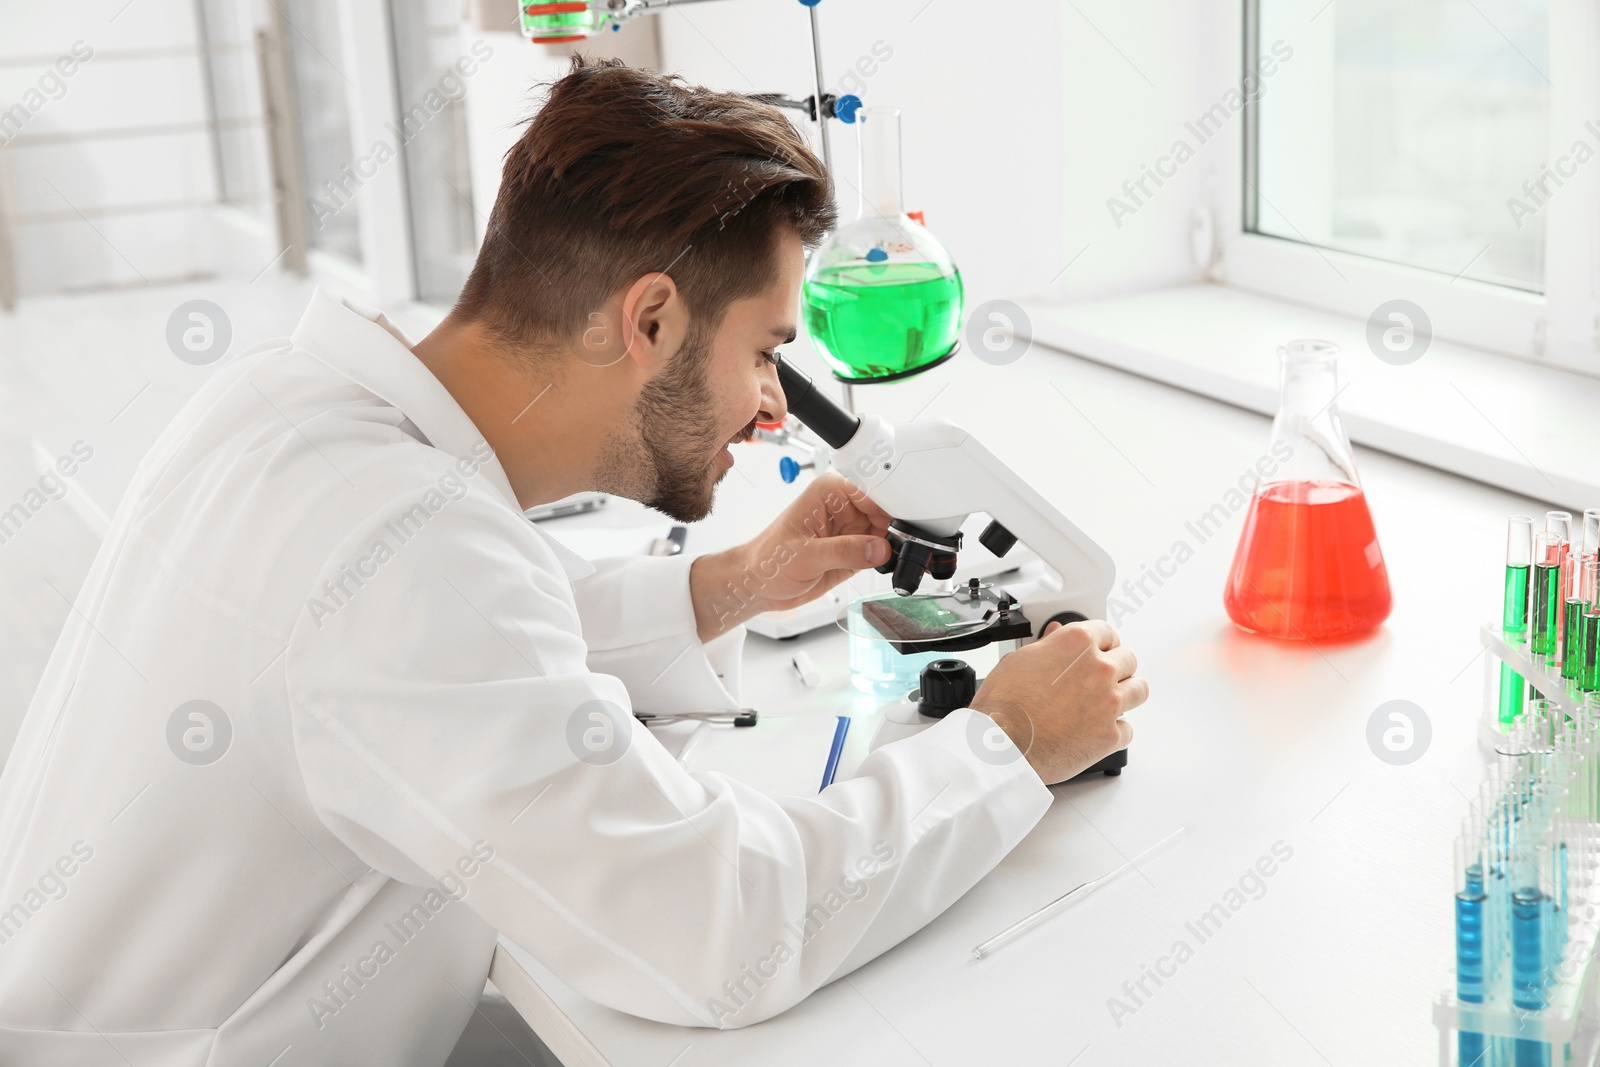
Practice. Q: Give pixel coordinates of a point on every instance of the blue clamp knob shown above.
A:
(845, 108)
(788, 469)
(809, 3)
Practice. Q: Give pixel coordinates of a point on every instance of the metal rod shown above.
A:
(816, 62)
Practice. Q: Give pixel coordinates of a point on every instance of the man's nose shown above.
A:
(774, 408)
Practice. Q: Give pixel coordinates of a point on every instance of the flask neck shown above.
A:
(879, 145)
(1308, 382)
(1308, 415)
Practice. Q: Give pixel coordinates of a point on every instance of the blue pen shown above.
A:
(833, 754)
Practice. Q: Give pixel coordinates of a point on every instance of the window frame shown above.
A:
(1560, 327)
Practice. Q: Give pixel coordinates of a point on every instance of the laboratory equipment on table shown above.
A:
(1527, 879)
(576, 504)
(1531, 659)
(882, 299)
(1072, 896)
(1526, 902)
(878, 667)
(742, 717)
(874, 669)
(1590, 548)
(945, 685)
(1308, 565)
(1545, 595)
(1514, 611)
(931, 476)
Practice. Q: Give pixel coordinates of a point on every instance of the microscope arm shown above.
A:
(934, 474)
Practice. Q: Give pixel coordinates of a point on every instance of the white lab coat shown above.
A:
(322, 547)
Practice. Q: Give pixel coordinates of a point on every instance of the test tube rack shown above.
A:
(1569, 1026)
(1537, 671)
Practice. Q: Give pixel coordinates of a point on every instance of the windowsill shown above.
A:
(1532, 429)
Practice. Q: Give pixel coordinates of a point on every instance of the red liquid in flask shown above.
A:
(1308, 564)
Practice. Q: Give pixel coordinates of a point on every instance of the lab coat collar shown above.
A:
(370, 350)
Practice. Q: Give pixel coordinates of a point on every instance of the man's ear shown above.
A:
(655, 319)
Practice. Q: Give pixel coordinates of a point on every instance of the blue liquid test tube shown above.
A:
(1470, 974)
(1527, 967)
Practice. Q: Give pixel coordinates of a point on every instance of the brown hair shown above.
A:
(625, 172)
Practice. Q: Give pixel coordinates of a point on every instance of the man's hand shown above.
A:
(831, 531)
(1061, 698)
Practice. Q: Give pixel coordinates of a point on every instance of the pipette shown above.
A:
(1021, 927)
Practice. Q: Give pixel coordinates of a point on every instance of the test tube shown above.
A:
(1514, 611)
(1559, 523)
(1573, 605)
(1544, 613)
(1528, 950)
(1471, 901)
(1586, 642)
(1590, 548)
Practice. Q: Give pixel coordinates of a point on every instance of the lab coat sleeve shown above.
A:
(638, 624)
(449, 730)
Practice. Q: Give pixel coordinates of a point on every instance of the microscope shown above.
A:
(931, 476)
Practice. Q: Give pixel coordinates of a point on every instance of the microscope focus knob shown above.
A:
(946, 685)
(997, 539)
(1063, 617)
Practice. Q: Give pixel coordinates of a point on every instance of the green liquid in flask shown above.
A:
(880, 320)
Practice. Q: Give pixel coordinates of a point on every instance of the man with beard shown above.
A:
(331, 715)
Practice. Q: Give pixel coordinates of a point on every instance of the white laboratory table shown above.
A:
(1259, 747)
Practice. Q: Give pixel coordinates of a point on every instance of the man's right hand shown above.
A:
(1061, 698)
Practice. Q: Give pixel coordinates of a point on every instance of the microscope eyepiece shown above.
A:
(806, 402)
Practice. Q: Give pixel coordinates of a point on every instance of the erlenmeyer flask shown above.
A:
(882, 296)
(1308, 564)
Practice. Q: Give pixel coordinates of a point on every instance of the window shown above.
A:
(1410, 132)
(432, 66)
(1441, 152)
(321, 90)
(228, 46)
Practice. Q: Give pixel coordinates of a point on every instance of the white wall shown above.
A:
(1020, 120)
(106, 175)
(505, 92)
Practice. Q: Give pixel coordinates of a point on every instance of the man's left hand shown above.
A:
(831, 531)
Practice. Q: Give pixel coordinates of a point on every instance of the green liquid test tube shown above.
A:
(1573, 605)
(1514, 612)
(1587, 648)
(1546, 613)
(1572, 653)
(1585, 644)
